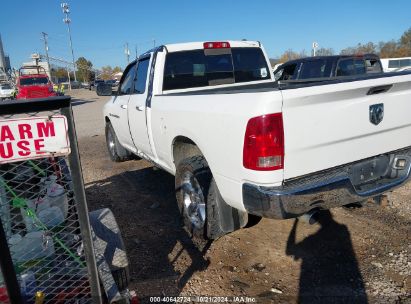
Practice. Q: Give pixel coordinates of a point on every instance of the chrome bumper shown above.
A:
(339, 186)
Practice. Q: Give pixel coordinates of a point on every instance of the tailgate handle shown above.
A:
(379, 89)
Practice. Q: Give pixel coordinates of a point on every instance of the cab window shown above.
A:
(141, 77)
(351, 66)
(287, 72)
(127, 80)
(316, 68)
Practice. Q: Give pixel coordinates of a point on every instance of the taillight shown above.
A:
(264, 143)
(216, 45)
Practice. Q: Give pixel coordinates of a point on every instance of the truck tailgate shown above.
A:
(330, 125)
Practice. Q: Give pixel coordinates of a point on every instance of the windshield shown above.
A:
(5, 87)
(34, 81)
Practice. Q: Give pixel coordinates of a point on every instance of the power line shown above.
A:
(127, 52)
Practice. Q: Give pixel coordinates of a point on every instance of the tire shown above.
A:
(116, 151)
(205, 214)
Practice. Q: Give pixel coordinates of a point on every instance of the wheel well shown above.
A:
(184, 147)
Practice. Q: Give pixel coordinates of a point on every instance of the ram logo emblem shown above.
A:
(376, 113)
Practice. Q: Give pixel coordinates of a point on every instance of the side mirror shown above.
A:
(104, 89)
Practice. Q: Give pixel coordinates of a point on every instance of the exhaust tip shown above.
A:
(311, 217)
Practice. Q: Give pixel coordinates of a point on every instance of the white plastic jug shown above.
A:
(51, 217)
(56, 195)
(33, 246)
(28, 220)
(39, 203)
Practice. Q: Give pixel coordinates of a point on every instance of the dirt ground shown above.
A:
(350, 256)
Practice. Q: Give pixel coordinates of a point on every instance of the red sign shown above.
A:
(30, 138)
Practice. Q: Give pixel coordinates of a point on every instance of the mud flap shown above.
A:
(229, 219)
(111, 257)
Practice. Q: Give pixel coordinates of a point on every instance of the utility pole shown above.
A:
(154, 43)
(136, 52)
(127, 52)
(67, 21)
(46, 48)
(315, 46)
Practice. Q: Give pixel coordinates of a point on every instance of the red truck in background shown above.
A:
(33, 84)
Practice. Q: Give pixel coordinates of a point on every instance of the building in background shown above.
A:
(4, 63)
(36, 61)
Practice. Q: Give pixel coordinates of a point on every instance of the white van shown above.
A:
(393, 64)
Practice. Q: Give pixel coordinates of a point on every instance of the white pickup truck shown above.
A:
(241, 144)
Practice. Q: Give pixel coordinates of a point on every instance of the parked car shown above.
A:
(243, 146)
(403, 69)
(34, 84)
(75, 84)
(95, 83)
(85, 85)
(6, 91)
(328, 67)
(112, 82)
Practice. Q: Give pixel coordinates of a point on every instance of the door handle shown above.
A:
(379, 89)
(123, 106)
(139, 108)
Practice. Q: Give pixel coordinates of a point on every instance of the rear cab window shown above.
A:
(29, 81)
(373, 66)
(351, 67)
(287, 72)
(316, 68)
(209, 67)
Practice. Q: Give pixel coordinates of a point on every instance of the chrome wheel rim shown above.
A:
(111, 143)
(193, 200)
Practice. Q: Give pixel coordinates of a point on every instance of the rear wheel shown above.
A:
(205, 214)
(116, 151)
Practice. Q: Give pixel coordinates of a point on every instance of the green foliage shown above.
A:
(59, 73)
(324, 52)
(107, 72)
(84, 68)
(368, 48)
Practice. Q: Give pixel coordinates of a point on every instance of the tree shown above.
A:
(106, 72)
(117, 69)
(84, 67)
(59, 73)
(360, 49)
(406, 38)
(289, 55)
(388, 49)
(324, 52)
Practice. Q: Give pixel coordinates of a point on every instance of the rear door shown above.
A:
(331, 125)
(137, 109)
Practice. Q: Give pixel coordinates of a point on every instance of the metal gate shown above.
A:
(46, 249)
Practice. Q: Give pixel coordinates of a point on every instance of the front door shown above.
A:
(119, 113)
(137, 108)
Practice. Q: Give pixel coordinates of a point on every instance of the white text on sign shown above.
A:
(29, 138)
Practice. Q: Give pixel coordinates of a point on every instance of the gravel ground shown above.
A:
(350, 256)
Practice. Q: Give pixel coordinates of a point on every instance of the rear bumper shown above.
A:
(329, 189)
